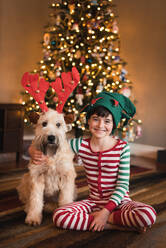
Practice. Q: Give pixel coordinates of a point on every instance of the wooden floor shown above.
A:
(153, 238)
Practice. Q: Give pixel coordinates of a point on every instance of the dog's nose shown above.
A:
(51, 138)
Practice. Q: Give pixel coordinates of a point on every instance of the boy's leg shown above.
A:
(74, 216)
(134, 215)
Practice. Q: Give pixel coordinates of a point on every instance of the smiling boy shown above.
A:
(106, 161)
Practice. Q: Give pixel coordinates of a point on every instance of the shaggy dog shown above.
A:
(53, 180)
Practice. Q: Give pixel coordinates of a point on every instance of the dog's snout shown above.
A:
(51, 138)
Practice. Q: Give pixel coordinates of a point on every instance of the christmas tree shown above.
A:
(85, 34)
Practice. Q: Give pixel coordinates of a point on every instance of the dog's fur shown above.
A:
(54, 179)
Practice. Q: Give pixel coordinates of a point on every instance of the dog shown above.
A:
(54, 180)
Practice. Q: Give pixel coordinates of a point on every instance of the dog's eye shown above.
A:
(58, 124)
(44, 123)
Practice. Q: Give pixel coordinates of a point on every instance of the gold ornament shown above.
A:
(71, 8)
(78, 54)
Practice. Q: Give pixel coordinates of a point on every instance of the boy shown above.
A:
(107, 164)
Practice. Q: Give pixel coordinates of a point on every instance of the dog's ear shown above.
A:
(69, 127)
(69, 118)
(33, 117)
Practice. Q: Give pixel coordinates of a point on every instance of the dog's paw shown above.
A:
(33, 220)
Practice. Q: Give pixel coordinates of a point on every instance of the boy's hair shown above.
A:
(100, 111)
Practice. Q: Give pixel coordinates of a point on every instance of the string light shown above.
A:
(95, 54)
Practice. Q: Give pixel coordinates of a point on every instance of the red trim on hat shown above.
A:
(95, 100)
(92, 103)
(116, 103)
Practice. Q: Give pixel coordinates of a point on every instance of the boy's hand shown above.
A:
(37, 157)
(100, 219)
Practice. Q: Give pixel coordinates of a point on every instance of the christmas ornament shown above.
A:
(104, 81)
(99, 88)
(79, 98)
(131, 134)
(55, 99)
(88, 92)
(77, 54)
(115, 28)
(83, 59)
(58, 20)
(79, 95)
(110, 48)
(53, 42)
(46, 54)
(58, 73)
(108, 11)
(96, 24)
(71, 8)
(46, 39)
(75, 27)
(90, 60)
(124, 134)
(51, 75)
(116, 59)
(138, 131)
(126, 91)
(85, 78)
(94, 2)
(123, 74)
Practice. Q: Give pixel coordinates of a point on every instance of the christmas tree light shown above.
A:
(84, 34)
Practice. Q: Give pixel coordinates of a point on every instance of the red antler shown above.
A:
(37, 87)
(70, 81)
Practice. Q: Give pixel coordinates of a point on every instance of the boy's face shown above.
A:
(100, 126)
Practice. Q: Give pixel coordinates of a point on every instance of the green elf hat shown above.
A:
(119, 105)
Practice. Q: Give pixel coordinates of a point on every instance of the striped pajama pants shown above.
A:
(129, 213)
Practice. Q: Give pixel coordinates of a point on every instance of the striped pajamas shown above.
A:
(107, 175)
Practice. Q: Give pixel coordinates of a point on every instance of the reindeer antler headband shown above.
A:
(37, 87)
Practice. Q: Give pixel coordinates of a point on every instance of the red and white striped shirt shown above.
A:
(107, 172)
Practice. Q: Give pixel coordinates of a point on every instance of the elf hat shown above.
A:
(119, 106)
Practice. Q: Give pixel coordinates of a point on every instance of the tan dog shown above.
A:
(53, 180)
